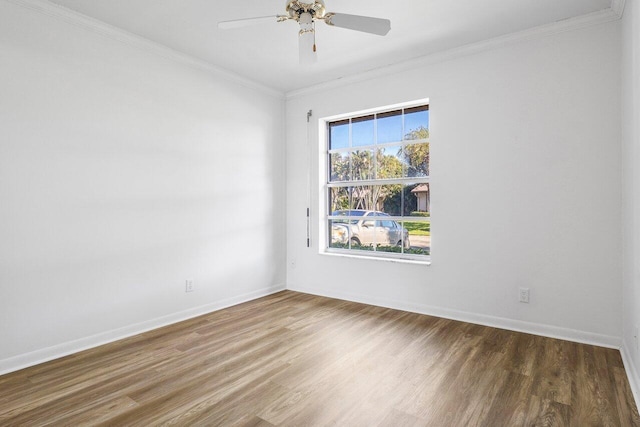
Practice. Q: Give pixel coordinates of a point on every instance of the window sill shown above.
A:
(376, 258)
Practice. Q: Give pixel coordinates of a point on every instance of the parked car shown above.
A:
(363, 227)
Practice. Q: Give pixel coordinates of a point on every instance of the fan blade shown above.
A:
(307, 48)
(239, 23)
(359, 23)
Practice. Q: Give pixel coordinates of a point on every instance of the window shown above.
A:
(378, 192)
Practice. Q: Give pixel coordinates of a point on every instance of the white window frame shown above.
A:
(327, 185)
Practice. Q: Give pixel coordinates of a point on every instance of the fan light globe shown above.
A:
(306, 19)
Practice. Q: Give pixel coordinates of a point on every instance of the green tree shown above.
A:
(360, 165)
(417, 155)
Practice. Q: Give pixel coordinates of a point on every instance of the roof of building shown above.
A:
(422, 188)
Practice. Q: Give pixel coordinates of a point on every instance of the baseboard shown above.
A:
(22, 361)
(632, 373)
(480, 319)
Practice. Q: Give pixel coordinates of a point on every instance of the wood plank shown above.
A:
(510, 405)
(552, 376)
(94, 413)
(298, 359)
(545, 412)
(624, 399)
(252, 421)
(395, 418)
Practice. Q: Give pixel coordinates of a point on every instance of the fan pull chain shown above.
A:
(314, 36)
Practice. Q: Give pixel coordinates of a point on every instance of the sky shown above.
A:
(389, 130)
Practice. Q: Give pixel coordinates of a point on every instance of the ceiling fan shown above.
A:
(306, 13)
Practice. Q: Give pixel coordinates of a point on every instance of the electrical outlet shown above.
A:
(188, 285)
(524, 295)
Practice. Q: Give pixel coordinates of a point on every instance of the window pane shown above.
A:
(390, 199)
(416, 160)
(389, 127)
(363, 197)
(355, 234)
(361, 165)
(390, 236)
(419, 237)
(362, 131)
(339, 201)
(416, 122)
(340, 167)
(339, 134)
(389, 162)
(338, 234)
(417, 200)
(376, 199)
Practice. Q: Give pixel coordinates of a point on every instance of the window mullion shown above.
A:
(389, 181)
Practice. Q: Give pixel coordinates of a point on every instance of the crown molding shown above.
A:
(579, 22)
(617, 6)
(69, 16)
(77, 19)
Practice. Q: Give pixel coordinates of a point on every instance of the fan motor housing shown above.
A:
(295, 8)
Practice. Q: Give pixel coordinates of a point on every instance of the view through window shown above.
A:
(378, 184)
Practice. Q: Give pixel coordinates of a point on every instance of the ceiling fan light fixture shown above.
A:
(305, 13)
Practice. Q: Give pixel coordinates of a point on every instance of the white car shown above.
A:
(363, 228)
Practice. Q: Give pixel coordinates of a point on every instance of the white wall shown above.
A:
(526, 188)
(631, 190)
(123, 173)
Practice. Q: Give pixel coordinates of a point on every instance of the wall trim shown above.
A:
(632, 373)
(37, 357)
(114, 33)
(591, 19)
(69, 16)
(549, 331)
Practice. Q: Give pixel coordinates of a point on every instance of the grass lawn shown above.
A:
(416, 228)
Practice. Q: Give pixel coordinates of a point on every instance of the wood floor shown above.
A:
(300, 360)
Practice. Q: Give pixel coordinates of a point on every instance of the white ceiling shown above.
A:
(268, 53)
